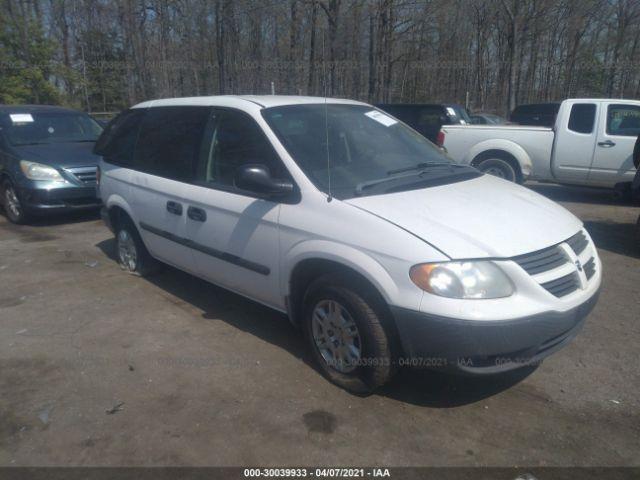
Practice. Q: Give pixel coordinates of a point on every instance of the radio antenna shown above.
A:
(326, 118)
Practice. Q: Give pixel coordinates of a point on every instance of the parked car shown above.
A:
(486, 119)
(427, 119)
(46, 161)
(379, 248)
(591, 143)
(537, 114)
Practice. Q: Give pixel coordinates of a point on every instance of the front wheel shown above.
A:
(498, 168)
(12, 204)
(344, 331)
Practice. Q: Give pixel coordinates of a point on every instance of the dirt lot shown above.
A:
(209, 378)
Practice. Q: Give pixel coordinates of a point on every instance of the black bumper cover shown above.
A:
(41, 201)
(486, 347)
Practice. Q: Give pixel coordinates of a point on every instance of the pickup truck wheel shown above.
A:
(498, 168)
(345, 335)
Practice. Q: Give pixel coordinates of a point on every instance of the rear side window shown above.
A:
(623, 120)
(582, 118)
(542, 114)
(170, 140)
(117, 142)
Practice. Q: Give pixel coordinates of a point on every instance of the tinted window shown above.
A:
(34, 128)
(117, 142)
(461, 113)
(426, 119)
(623, 120)
(541, 114)
(237, 140)
(582, 118)
(170, 140)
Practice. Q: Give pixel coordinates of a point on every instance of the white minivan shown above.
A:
(381, 249)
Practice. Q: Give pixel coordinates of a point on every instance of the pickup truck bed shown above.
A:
(591, 144)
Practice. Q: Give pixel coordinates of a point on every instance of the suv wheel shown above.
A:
(498, 168)
(343, 329)
(12, 205)
(132, 254)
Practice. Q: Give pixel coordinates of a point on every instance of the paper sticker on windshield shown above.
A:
(451, 111)
(21, 117)
(381, 118)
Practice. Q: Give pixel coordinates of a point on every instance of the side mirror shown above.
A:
(256, 178)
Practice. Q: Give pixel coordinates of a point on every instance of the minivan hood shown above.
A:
(479, 218)
(71, 154)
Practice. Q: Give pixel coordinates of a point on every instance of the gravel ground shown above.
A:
(98, 367)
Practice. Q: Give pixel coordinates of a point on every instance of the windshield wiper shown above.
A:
(415, 171)
(361, 187)
(422, 166)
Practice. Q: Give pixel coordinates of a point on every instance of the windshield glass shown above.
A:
(366, 146)
(49, 127)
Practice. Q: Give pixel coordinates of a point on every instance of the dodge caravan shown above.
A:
(383, 251)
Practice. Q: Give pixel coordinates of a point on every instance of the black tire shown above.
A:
(132, 255)
(375, 367)
(13, 207)
(498, 167)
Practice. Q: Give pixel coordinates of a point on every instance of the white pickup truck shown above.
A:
(591, 144)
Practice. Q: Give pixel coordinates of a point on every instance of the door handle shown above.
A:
(174, 207)
(197, 214)
(608, 143)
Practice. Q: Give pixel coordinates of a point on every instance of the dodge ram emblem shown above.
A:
(579, 265)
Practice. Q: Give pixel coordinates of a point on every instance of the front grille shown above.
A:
(578, 242)
(548, 259)
(542, 260)
(86, 175)
(590, 268)
(562, 286)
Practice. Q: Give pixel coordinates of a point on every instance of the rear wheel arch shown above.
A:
(501, 155)
(117, 215)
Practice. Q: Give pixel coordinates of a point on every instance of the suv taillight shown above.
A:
(440, 139)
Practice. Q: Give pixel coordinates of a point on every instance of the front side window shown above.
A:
(170, 141)
(237, 140)
(582, 118)
(623, 120)
(117, 142)
(351, 150)
(37, 128)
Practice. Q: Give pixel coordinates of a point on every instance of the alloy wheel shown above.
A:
(12, 204)
(336, 336)
(495, 171)
(127, 251)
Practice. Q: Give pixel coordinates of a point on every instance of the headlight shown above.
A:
(38, 171)
(482, 279)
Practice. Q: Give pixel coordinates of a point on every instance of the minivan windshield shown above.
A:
(368, 151)
(38, 128)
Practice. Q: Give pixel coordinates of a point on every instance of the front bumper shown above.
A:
(37, 201)
(486, 347)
